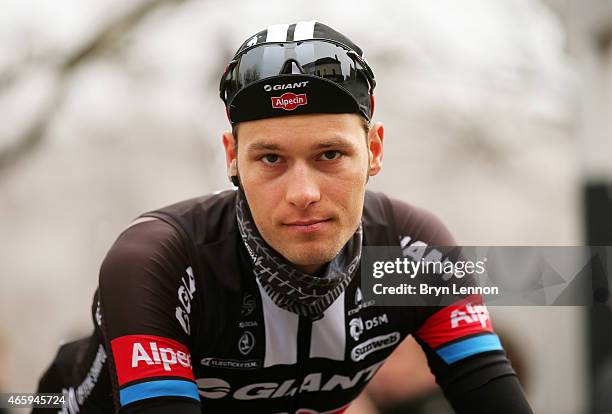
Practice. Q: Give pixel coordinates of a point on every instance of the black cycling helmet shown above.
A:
(288, 69)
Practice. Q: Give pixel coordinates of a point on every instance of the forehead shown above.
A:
(297, 131)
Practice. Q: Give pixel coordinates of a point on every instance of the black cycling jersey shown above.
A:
(182, 325)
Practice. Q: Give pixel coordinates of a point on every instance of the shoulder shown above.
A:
(203, 219)
(146, 283)
(217, 200)
(411, 223)
(145, 244)
(145, 234)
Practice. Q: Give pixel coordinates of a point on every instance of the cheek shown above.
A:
(348, 194)
(259, 196)
(351, 182)
(263, 199)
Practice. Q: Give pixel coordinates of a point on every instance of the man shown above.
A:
(249, 300)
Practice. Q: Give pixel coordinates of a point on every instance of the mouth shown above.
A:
(307, 226)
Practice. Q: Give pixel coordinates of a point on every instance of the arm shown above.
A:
(147, 298)
(468, 360)
(463, 351)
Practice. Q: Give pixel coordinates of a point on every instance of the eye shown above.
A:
(331, 155)
(270, 159)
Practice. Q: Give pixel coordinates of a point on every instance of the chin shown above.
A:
(311, 255)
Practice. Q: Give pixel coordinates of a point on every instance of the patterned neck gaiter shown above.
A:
(287, 286)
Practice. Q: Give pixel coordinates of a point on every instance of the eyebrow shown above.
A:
(330, 143)
(263, 146)
(334, 143)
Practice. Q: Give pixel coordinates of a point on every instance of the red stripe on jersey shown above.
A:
(466, 317)
(147, 356)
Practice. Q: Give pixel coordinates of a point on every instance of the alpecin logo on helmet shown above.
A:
(289, 101)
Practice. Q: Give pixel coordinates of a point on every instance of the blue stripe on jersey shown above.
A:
(468, 347)
(161, 388)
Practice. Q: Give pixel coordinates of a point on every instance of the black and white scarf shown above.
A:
(287, 286)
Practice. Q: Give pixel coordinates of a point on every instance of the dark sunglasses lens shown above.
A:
(317, 58)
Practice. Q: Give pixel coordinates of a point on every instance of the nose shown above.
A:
(302, 187)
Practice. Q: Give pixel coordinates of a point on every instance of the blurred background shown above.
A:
(497, 119)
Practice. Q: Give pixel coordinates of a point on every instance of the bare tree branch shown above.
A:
(104, 39)
(30, 138)
(112, 33)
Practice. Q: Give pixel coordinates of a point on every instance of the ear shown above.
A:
(375, 148)
(229, 143)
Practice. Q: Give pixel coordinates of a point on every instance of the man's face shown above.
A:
(304, 178)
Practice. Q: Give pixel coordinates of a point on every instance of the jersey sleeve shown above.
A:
(463, 351)
(147, 300)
